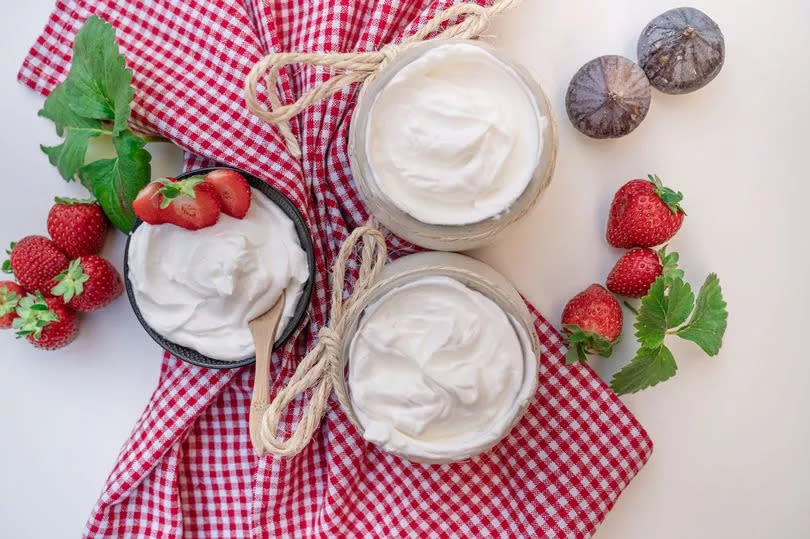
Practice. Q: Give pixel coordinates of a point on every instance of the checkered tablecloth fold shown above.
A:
(188, 469)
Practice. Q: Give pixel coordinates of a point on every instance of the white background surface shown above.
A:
(732, 434)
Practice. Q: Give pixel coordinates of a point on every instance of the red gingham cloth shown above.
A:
(188, 469)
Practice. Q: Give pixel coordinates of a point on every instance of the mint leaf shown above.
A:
(99, 84)
(708, 323)
(116, 182)
(666, 305)
(68, 157)
(650, 367)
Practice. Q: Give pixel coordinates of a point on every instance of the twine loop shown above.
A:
(465, 21)
(321, 366)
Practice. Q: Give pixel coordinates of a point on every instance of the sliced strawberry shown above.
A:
(191, 203)
(233, 189)
(147, 205)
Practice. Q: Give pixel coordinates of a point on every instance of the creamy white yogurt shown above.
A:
(455, 136)
(437, 371)
(200, 288)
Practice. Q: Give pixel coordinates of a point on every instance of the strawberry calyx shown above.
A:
(9, 300)
(669, 264)
(34, 315)
(174, 189)
(581, 343)
(70, 283)
(669, 197)
(64, 201)
(7, 262)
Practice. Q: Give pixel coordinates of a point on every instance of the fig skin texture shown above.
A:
(608, 97)
(681, 50)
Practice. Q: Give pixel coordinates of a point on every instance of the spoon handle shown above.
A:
(263, 328)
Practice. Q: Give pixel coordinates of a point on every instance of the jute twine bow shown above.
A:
(355, 66)
(321, 366)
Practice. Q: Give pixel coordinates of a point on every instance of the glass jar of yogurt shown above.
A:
(441, 361)
(451, 143)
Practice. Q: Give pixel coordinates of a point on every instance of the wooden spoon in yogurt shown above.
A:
(263, 328)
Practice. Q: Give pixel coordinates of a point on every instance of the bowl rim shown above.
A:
(194, 357)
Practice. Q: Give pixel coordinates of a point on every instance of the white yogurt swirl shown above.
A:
(438, 371)
(455, 136)
(200, 288)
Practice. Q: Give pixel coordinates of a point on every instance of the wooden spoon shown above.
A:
(263, 328)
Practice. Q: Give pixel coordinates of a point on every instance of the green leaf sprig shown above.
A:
(93, 101)
(669, 308)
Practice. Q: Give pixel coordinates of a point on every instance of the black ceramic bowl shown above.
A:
(196, 358)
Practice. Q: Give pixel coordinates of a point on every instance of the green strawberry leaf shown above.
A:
(172, 190)
(669, 197)
(650, 367)
(666, 305)
(116, 182)
(69, 156)
(70, 283)
(708, 323)
(33, 315)
(8, 301)
(99, 84)
(7, 263)
(575, 354)
(64, 201)
(669, 263)
(586, 342)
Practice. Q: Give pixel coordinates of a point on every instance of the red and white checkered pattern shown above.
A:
(188, 469)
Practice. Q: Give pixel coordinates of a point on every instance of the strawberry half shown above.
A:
(635, 272)
(36, 260)
(77, 227)
(593, 321)
(147, 205)
(10, 295)
(90, 283)
(191, 203)
(233, 190)
(47, 323)
(644, 213)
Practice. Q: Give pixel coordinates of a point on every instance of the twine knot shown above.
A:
(464, 21)
(331, 340)
(321, 366)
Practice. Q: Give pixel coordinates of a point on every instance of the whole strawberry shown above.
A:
(90, 283)
(634, 273)
(593, 321)
(36, 260)
(47, 323)
(644, 213)
(77, 227)
(10, 295)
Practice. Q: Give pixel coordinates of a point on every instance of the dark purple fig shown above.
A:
(681, 50)
(608, 97)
